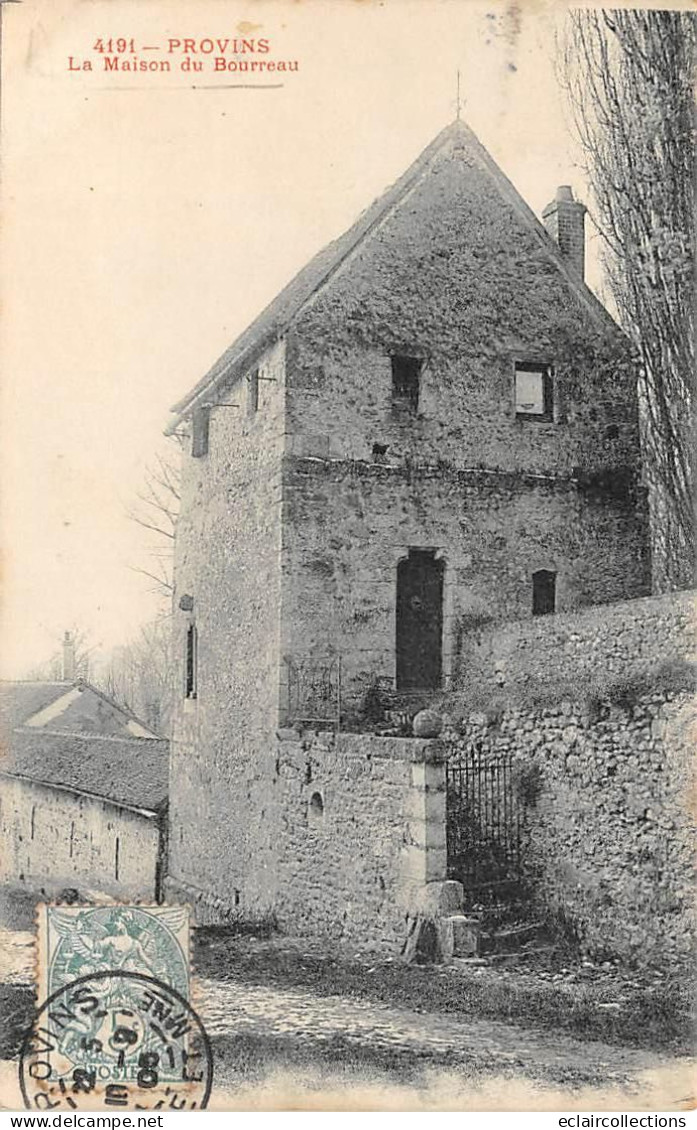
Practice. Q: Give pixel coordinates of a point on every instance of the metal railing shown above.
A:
(313, 692)
(483, 825)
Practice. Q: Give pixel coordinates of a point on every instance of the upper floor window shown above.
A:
(544, 592)
(406, 378)
(534, 391)
(200, 424)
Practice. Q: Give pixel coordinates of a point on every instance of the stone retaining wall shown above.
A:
(573, 653)
(363, 823)
(609, 838)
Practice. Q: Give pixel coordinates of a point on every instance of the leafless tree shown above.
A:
(139, 674)
(52, 669)
(629, 77)
(156, 509)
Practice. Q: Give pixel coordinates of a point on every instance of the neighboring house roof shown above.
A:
(129, 772)
(278, 315)
(70, 707)
(19, 701)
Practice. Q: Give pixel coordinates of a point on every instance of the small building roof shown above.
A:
(129, 772)
(275, 319)
(73, 736)
(19, 701)
(74, 707)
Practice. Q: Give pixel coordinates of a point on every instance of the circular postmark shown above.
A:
(116, 1039)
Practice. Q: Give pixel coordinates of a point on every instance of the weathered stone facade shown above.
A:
(609, 837)
(318, 475)
(83, 793)
(55, 838)
(360, 840)
(348, 525)
(228, 559)
(580, 654)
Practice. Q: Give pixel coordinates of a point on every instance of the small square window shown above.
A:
(534, 393)
(406, 377)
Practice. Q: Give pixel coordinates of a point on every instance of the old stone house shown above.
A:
(83, 793)
(431, 428)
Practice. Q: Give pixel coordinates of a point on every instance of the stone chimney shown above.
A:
(68, 658)
(565, 220)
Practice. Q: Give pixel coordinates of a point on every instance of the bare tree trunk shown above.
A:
(629, 77)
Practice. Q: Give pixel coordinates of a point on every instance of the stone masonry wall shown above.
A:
(360, 842)
(358, 870)
(456, 276)
(592, 648)
(609, 836)
(222, 836)
(54, 839)
(346, 526)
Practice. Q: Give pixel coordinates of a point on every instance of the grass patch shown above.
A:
(610, 1008)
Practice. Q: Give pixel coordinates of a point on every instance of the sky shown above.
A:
(149, 216)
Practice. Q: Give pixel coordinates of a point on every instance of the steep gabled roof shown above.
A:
(20, 701)
(73, 707)
(287, 305)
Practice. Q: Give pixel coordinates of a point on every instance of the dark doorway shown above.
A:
(406, 373)
(544, 585)
(419, 621)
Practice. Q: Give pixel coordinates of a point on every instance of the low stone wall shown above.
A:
(362, 820)
(54, 838)
(609, 839)
(573, 652)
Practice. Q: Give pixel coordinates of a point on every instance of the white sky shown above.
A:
(147, 222)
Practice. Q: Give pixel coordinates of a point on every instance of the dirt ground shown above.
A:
(293, 1030)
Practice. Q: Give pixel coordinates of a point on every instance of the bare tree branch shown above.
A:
(156, 509)
(629, 77)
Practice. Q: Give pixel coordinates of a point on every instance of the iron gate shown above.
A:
(313, 692)
(483, 826)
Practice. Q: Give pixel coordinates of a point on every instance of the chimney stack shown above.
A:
(565, 219)
(68, 658)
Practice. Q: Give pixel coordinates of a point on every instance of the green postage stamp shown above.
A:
(79, 940)
(114, 1024)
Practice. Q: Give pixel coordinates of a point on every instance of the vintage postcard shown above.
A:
(348, 665)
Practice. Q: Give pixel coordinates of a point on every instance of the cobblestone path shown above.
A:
(289, 1047)
(485, 1045)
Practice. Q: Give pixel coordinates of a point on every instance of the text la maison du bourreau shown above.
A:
(233, 56)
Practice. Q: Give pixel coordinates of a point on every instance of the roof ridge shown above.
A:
(85, 735)
(321, 267)
(351, 236)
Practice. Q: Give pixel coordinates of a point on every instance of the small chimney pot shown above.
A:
(68, 658)
(565, 219)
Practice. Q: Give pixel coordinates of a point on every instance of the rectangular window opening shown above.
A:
(544, 586)
(406, 378)
(253, 398)
(200, 426)
(33, 820)
(117, 847)
(191, 661)
(534, 391)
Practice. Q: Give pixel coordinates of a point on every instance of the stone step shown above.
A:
(510, 939)
(466, 931)
(470, 939)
